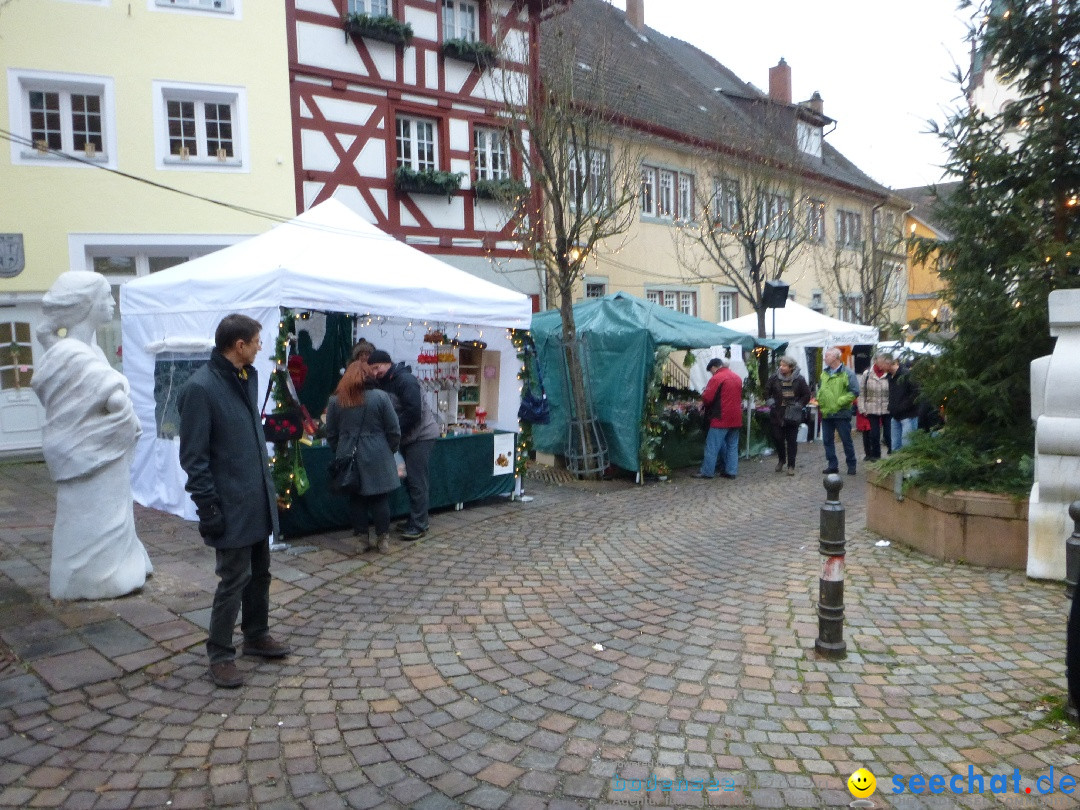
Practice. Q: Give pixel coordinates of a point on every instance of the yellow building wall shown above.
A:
(135, 43)
(646, 255)
(924, 284)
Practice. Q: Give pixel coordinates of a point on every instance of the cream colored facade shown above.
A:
(217, 67)
(645, 260)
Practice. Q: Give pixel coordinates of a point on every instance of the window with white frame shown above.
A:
(491, 154)
(648, 191)
(595, 287)
(684, 301)
(809, 137)
(686, 197)
(851, 306)
(883, 226)
(666, 193)
(775, 216)
(815, 221)
(461, 20)
(373, 8)
(55, 115)
(199, 126)
(416, 146)
(817, 301)
(726, 203)
(16, 355)
(589, 178)
(726, 305)
(848, 229)
(224, 6)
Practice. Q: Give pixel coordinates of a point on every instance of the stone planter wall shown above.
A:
(978, 528)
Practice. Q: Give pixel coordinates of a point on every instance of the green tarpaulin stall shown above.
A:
(621, 333)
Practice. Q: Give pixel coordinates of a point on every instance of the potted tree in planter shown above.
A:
(1015, 237)
(427, 182)
(466, 50)
(383, 28)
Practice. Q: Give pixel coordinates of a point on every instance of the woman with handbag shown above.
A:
(362, 430)
(787, 394)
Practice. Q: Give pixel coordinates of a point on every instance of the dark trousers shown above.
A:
(785, 437)
(830, 426)
(417, 456)
(243, 587)
(377, 505)
(1072, 651)
(877, 435)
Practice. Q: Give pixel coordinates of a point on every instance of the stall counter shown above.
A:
(462, 469)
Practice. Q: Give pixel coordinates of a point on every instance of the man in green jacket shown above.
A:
(838, 389)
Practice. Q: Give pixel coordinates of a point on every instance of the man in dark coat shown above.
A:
(223, 452)
(419, 430)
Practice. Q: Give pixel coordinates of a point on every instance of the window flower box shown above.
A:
(383, 28)
(507, 190)
(413, 182)
(478, 53)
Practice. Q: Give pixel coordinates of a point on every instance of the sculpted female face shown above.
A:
(104, 307)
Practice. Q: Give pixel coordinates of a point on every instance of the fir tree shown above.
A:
(1015, 237)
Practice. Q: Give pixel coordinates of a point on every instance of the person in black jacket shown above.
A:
(223, 452)
(419, 430)
(903, 404)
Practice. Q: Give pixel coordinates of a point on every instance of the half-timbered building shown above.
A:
(392, 98)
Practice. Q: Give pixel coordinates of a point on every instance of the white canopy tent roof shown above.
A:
(327, 259)
(800, 326)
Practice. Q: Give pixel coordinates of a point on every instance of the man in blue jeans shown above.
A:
(837, 391)
(722, 399)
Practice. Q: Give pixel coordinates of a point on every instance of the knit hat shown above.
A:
(379, 356)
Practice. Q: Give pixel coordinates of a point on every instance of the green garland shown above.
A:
(521, 340)
(652, 421)
(285, 462)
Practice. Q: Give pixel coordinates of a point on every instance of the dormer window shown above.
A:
(809, 137)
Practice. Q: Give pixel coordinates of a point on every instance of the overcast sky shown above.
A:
(882, 68)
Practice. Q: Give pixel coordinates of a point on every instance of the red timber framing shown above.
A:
(347, 93)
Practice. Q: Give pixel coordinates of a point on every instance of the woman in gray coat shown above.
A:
(364, 422)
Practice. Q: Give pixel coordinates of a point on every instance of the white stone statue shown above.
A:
(1055, 408)
(89, 435)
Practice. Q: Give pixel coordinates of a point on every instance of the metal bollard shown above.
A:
(830, 640)
(1072, 630)
(1072, 551)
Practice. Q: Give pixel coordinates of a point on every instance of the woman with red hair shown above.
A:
(362, 422)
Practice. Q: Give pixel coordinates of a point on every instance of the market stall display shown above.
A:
(326, 265)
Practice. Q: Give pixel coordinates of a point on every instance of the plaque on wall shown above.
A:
(12, 259)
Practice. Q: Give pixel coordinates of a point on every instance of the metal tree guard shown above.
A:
(586, 448)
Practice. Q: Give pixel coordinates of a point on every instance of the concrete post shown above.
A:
(830, 640)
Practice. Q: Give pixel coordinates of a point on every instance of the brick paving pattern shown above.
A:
(535, 655)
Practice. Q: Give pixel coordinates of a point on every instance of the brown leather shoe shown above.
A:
(267, 647)
(226, 675)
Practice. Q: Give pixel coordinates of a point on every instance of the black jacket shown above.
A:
(405, 393)
(223, 451)
(903, 395)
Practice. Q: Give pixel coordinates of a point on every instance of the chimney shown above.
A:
(816, 103)
(635, 14)
(780, 82)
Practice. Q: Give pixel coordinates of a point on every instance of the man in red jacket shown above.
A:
(722, 398)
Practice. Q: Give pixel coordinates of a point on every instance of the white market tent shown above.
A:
(327, 259)
(800, 326)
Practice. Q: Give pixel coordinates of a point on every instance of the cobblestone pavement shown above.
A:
(539, 654)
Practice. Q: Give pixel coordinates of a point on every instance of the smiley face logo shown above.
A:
(862, 784)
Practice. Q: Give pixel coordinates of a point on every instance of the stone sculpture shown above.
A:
(1055, 394)
(88, 439)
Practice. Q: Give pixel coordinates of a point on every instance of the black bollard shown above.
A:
(1072, 631)
(830, 640)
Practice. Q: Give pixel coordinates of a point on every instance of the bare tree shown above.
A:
(756, 219)
(582, 169)
(865, 278)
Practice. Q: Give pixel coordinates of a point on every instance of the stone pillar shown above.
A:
(1055, 408)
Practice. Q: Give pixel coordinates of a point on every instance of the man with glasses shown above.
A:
(223, 452)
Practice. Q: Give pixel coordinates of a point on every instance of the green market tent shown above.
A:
(621, 333)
